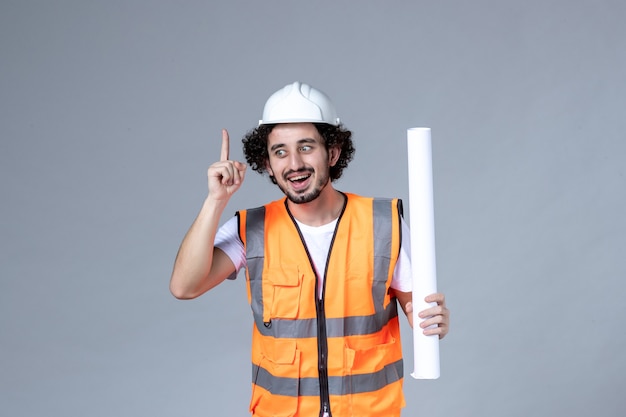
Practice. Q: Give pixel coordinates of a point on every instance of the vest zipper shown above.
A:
(322, 359)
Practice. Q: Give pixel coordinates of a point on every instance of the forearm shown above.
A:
(405, 299)
(191, 275)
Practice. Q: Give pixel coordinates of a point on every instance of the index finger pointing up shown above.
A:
(225, 145)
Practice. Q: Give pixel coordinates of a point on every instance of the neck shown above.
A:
(323, 210)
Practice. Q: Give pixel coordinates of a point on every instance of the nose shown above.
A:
(295, 161)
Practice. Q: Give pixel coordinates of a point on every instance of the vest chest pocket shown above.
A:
(284, 289)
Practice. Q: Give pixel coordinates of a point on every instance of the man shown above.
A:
(325, 270)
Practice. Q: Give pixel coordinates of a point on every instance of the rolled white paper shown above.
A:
(423, 267)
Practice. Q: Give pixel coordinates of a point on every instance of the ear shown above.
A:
(268, 168)
(333, 155)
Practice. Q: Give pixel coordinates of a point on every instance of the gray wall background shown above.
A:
(111, 113)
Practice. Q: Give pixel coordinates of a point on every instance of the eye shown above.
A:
(280, 153)
(306, 148)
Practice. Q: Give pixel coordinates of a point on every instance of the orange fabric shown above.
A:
(289, 294)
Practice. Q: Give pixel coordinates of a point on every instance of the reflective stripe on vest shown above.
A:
(255, 234)
(336, 327)
(338, 385)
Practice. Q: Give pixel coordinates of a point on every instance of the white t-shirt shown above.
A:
(318, 242)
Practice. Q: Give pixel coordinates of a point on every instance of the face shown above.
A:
(299, 161)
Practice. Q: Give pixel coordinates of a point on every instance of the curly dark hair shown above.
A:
(255, 147)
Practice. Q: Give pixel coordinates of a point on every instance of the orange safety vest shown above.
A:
(342, 353)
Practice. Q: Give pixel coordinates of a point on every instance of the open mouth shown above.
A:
(299, 179)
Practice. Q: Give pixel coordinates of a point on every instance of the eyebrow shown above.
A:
(300, 142)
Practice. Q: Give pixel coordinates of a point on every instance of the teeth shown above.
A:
(301, 177)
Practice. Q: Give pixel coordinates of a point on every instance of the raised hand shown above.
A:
(225, 176)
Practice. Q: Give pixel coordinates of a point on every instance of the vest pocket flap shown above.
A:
(363, 359)
(284, 275)
(283, 351)
(281, 293)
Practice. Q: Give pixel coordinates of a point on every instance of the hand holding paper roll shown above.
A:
(433, 320)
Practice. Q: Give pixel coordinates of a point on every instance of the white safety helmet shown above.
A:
(298, 103)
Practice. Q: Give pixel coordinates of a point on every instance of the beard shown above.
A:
(304, 196)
